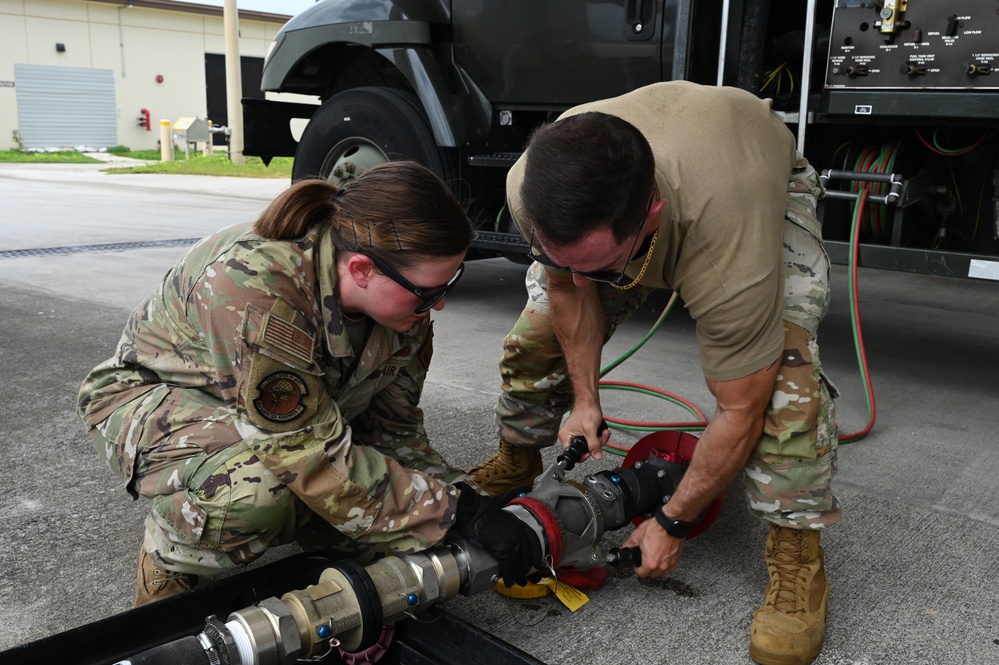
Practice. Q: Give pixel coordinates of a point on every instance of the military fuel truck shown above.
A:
(898, 99)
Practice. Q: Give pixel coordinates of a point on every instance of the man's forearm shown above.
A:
(727, 441)
(721, 454)
(578, 321)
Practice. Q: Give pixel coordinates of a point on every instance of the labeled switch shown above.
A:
(913, 69)
(951, 25)
(974, 70)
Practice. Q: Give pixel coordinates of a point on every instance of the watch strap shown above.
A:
(675, 528)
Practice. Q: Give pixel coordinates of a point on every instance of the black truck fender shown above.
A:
(457, 110)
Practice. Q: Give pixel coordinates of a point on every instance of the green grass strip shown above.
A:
(216, 165)
(62, 157)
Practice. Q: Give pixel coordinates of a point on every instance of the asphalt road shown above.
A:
(913, 564)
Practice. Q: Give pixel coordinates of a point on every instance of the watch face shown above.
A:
(680, 529)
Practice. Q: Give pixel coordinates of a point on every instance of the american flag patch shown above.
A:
(288, 338)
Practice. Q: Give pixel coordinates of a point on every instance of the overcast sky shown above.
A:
(289, 7)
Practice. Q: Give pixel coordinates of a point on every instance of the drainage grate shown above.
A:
(109, 247)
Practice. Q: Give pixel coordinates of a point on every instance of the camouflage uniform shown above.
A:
(788, 476)
(235, 402)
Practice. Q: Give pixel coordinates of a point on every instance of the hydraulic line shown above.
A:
(858, 333)
(935, 147)
(875, 160)
(617, 423)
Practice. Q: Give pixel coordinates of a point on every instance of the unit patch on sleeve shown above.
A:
(281, 397)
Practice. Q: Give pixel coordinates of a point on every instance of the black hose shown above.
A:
(186, 650)
(751, 54)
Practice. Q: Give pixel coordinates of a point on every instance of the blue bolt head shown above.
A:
(323, 632)
(615, 479)
(412, 599)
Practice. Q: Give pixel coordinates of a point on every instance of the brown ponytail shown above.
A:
(304, 204)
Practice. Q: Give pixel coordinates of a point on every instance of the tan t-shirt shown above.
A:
(723, 161)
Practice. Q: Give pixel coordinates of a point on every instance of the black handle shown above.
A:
(639, 17)
(573, 453)
(577, 448)
(625, 556)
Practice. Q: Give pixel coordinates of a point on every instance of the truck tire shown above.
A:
(359, 128)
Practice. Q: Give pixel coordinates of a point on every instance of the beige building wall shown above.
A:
(157, 56)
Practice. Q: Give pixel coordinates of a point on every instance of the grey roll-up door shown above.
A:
(65, 107)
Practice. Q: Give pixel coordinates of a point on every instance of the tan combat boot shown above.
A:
(510, 467)
(153, 582)
(788, 628)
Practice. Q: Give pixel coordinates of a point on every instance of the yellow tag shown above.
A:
(570, 596)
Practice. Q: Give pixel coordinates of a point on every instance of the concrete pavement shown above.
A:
(912, 565)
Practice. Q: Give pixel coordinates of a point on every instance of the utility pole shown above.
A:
(233, 82)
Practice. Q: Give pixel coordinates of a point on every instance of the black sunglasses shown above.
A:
(609, 276)
(427, 300)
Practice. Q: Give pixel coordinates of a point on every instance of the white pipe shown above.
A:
(121, 41)
(723, 41)
(166, 142)
(233, 82)
(806, 74)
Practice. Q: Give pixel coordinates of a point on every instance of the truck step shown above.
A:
(497, 159)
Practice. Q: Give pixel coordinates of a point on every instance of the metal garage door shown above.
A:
(65, 107)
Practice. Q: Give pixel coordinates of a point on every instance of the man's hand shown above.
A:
(660, 551)
(484, 523)
(587, 422)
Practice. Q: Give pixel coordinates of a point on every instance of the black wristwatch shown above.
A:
(675, 528)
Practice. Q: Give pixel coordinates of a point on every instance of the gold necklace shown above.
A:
(641, 273)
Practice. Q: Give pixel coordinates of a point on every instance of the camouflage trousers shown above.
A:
(215, 506)
(789, 474)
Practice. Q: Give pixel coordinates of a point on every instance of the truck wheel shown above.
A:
(363, 127)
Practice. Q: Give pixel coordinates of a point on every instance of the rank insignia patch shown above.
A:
(281, 397)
